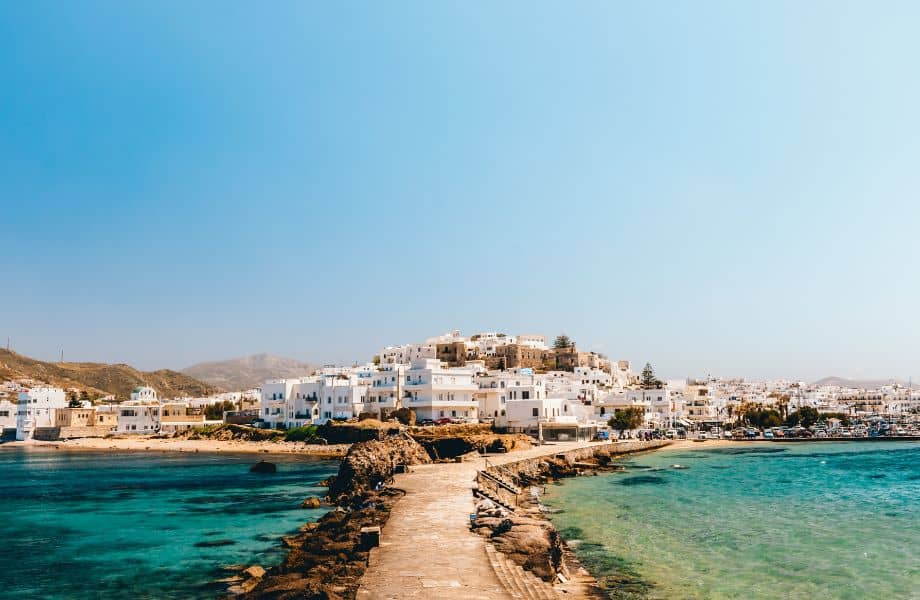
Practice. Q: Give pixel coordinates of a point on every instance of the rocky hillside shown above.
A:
(100, 379)
(249, 371)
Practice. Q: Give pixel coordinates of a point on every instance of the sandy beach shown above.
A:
(691, 444)
(143, 443)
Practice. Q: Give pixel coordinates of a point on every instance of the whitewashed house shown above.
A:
(36, 409)
(436, 392)
(386, 389)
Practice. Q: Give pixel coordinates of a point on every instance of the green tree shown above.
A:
(762, 418)
(648, 378)
(215, 412)
(805, 416)
(72, 400)
(626, 418)
(562, 341)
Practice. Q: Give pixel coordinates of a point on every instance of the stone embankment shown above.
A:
(327, 558)
(511, 518)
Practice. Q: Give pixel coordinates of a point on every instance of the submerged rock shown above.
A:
(214, 543)
(312, 503)
(263, 466)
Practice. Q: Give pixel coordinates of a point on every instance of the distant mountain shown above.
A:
(249, 371)
(100, 379)
(868, 384)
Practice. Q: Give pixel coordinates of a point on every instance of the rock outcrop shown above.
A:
(326, 560)
(370, 464)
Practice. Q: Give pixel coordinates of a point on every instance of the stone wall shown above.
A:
(524, 536)
(563, 463)
(51, 434)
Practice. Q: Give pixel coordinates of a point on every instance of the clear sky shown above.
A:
(715, 187)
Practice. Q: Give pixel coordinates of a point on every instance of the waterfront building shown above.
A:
(177, 415)
(138, 416)
(608, 405)
(699, 403)
(36, 409)
(84, 421)
(8, 416)
(550, 419)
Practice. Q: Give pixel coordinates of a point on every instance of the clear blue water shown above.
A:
(812, 520)
(99, 525)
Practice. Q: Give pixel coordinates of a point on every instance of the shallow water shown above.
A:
(828, 520)
(99, 525)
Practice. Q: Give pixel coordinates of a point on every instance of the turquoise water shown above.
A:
(817, 520)
(98, 525)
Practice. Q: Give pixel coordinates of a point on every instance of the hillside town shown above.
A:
(516, 383)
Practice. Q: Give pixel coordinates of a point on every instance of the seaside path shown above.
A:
(427, 550)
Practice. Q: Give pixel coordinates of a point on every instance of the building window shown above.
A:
(536, 412)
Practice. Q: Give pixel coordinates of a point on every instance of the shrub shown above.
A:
(300, 434)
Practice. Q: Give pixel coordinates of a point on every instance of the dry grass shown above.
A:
(99, 379)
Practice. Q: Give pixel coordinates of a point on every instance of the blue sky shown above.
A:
(715, 187)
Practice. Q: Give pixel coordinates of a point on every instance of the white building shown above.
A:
(665, 406)
(436, 392)
(386, 389)
(36, 409)
(138, 417)
(8, 415)
(498, 388)
(608, 405)
(336, 394)
(405, 354)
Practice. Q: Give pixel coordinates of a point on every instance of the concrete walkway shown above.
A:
(427, 550)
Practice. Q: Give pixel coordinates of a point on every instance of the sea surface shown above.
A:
(768, 520)
(99, 525)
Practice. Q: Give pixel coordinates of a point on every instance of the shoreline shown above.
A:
(684, 445)
(178, 445)
(558, 572)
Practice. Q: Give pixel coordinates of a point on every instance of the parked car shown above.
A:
(768, 435)
(425, 423)
(443, 421)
